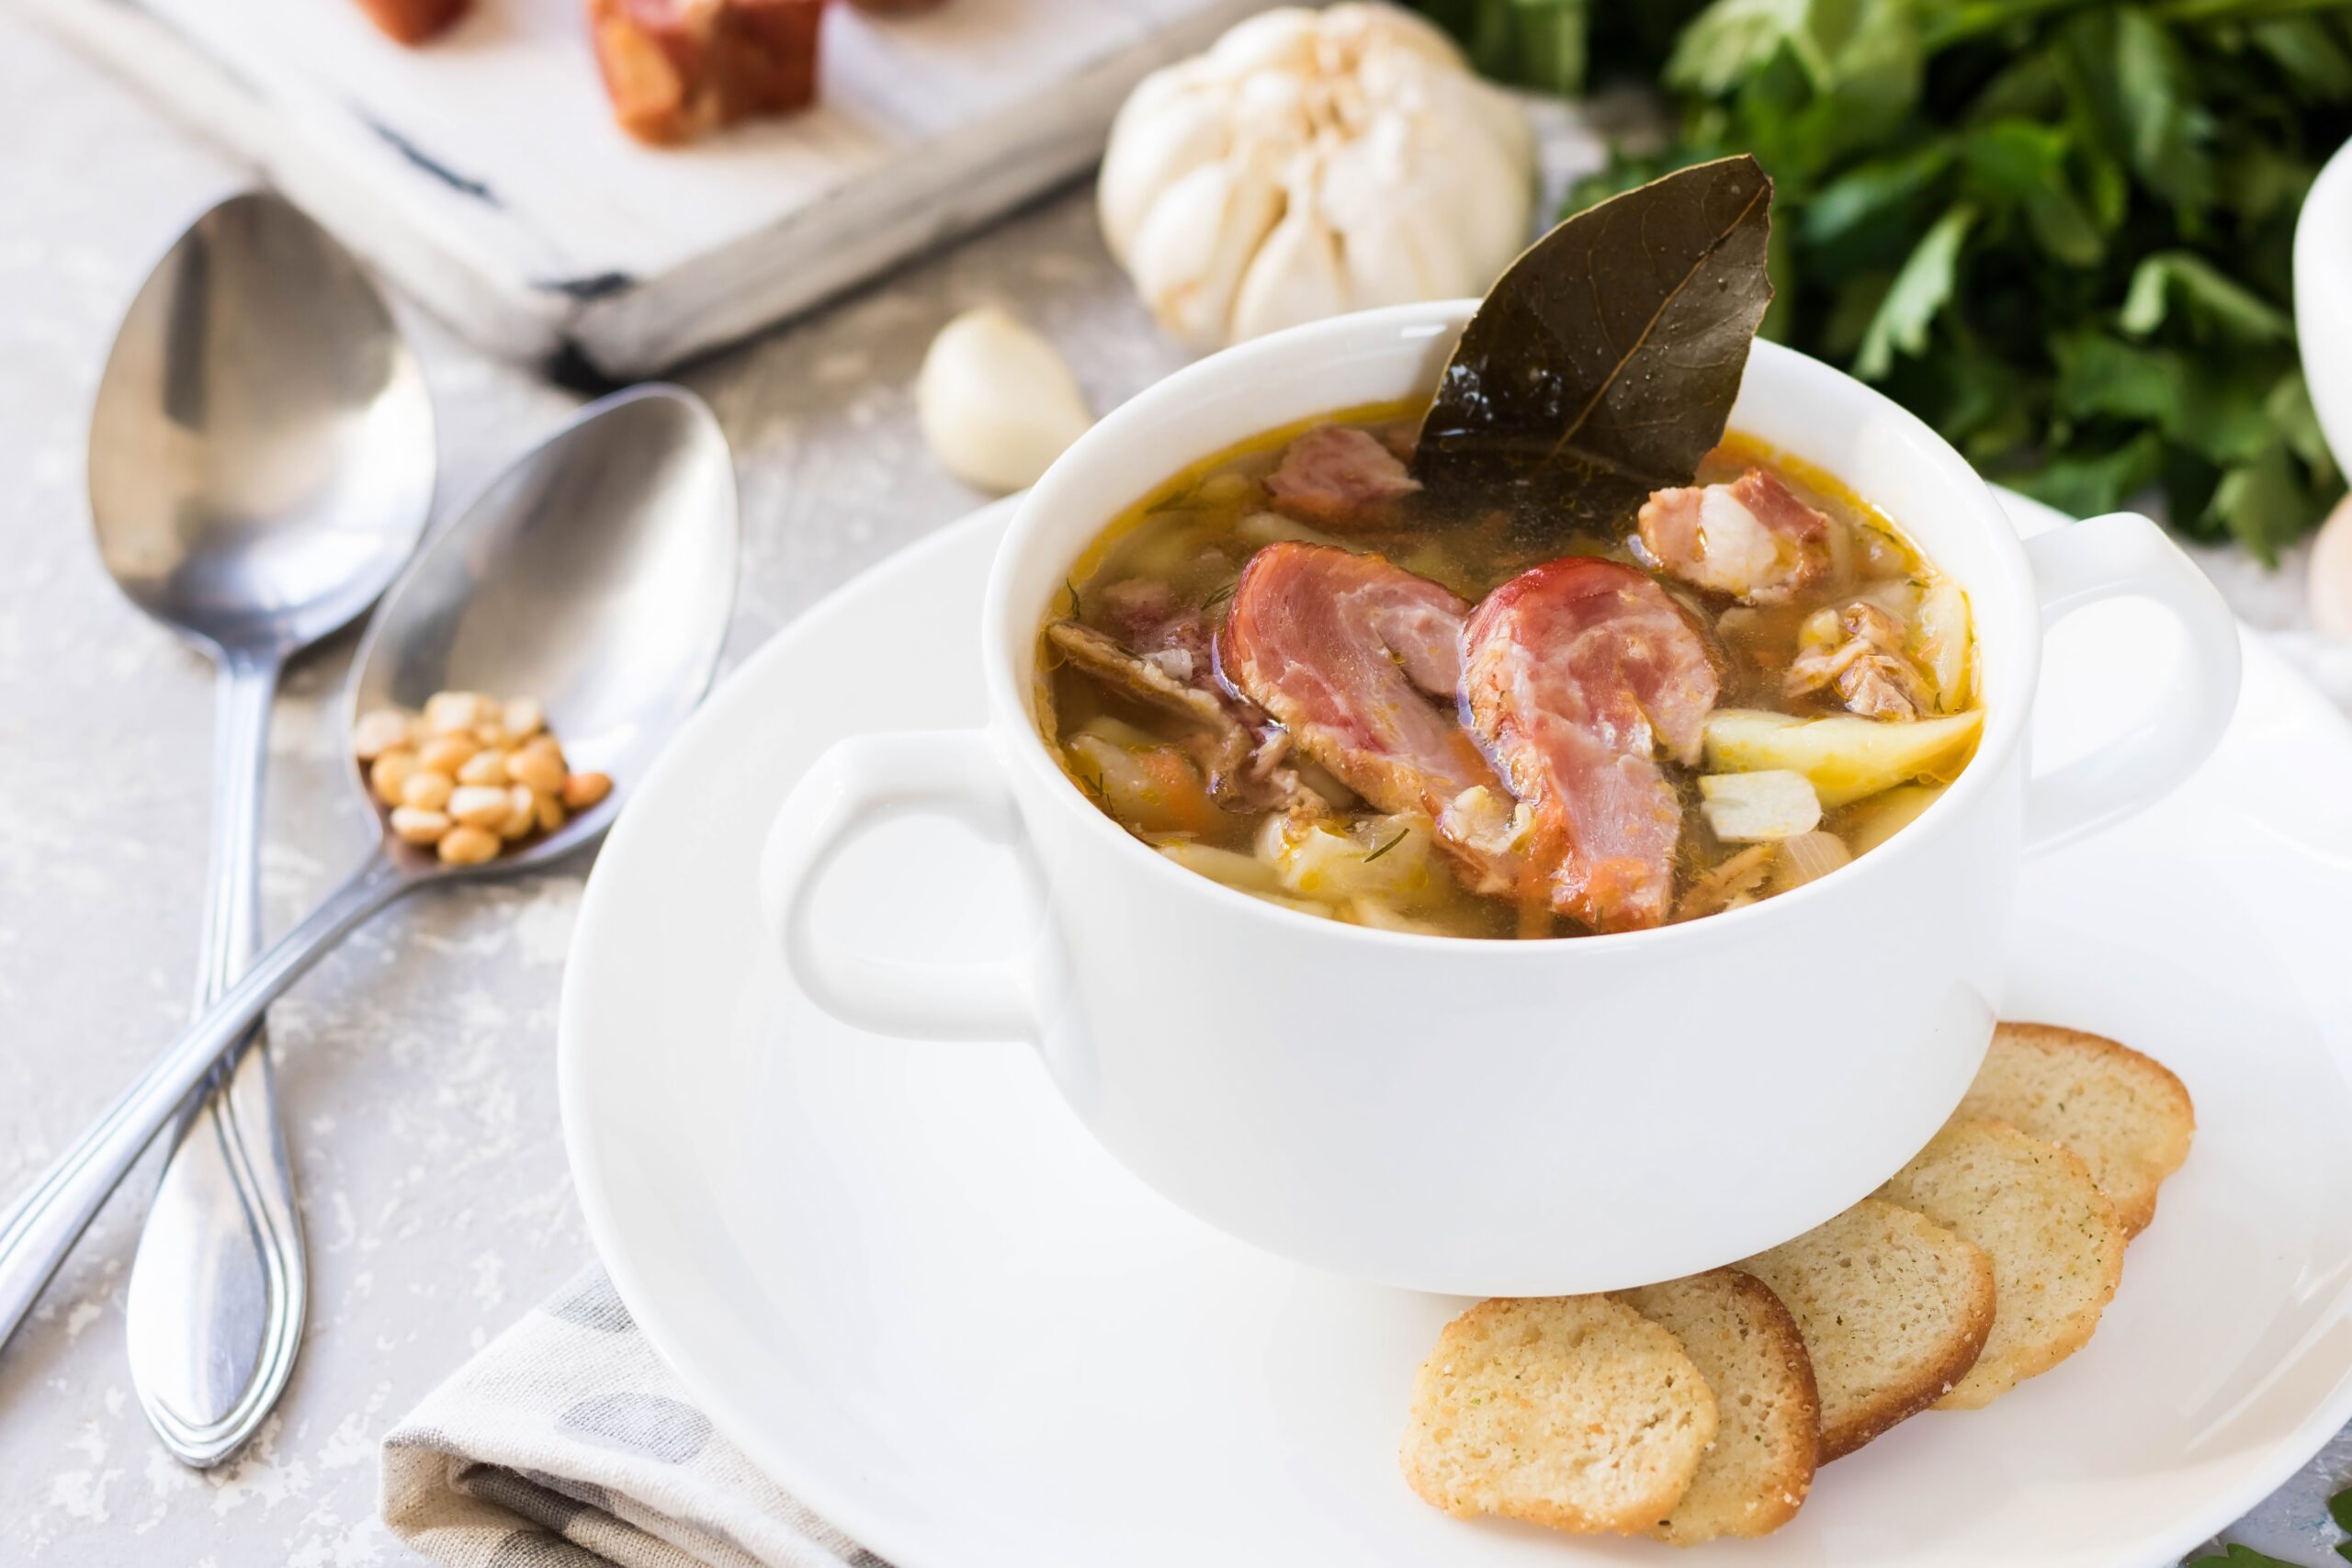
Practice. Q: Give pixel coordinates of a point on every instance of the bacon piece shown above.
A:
(414, 21)
(1859, 650)
(676, 69)
(1578, 673)
(1751, 539)
(1337, 476)
(1359, 661)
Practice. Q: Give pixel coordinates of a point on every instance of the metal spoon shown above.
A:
(596, 575)
(261, 463)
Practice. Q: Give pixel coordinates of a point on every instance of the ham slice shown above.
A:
(1751, 539)
(1335, 477)
(1578, 675)
(1359, 661)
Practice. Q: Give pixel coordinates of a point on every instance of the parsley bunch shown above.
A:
(2058, 229)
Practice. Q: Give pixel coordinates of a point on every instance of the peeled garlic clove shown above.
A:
(997, 404)
(2331, 572)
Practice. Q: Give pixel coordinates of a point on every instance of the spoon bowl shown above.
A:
(594, 575)
(261, 463)
(260, 451)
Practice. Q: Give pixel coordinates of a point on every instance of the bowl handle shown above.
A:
(859, 784)
(2124, 555)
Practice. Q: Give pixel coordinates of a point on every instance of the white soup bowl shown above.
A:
(1486, 1117)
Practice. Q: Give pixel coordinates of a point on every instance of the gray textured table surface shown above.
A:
(416, 1063)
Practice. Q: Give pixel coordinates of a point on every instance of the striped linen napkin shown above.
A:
(566, 1443)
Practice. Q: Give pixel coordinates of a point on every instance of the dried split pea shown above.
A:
(379, 732)
(484, 767)
(470, 774)
(477, 805)
(427, 790)
(416, 825)
(522, 814)
(581, 791)
(445, 712)
(448, 753)
(389, 774)
(468, 846)
(536, 768)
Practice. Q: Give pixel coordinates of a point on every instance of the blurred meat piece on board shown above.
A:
(414, 21)
(678, 69)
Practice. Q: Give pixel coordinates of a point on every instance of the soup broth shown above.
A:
(1254, 671)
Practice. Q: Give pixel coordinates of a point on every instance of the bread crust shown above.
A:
(1768, 1437)
(1572, 1412)
(2015, 1085)
(2056, 1246)
(1855, 1411)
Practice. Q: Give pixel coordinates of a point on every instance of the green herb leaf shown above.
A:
(2235, 1556)
(2262, 503)
(1402, 834)
(2115, 316)
(1603, 364)
(2214, 303)
(1921, 289)
(1075, 603)
(2339, 1508)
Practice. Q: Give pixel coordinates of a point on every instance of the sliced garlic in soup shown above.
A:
(1758, 807)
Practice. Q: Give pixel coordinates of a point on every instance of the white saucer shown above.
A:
(901, 1278)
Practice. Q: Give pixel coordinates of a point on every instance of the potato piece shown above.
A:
(1889, 815)
(1157, 790)
(1755, 808)
(1391, 860)
(1944, 644)
(1245, 873)
(1846, 757)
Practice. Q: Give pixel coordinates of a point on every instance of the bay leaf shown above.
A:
(1603, 364)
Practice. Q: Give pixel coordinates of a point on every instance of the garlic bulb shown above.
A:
(1313, 163)
(997, 404)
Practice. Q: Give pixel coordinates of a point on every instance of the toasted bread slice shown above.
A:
(2056, 1246)
(2124, 1113)
(1574, 1412)
(1768, 1419)
(1894, 1309)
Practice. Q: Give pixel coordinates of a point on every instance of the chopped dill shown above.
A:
(1402, 834)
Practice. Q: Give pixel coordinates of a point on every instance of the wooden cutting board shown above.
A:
(483, 174)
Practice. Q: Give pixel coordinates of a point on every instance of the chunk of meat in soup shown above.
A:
(1578, 674)
(1859, 651)
(1348, 652)
(1751, 539)
(1238, 749)
(1336, 477)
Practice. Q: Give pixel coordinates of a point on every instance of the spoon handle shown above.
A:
(213, 1313)
(38, 1233)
